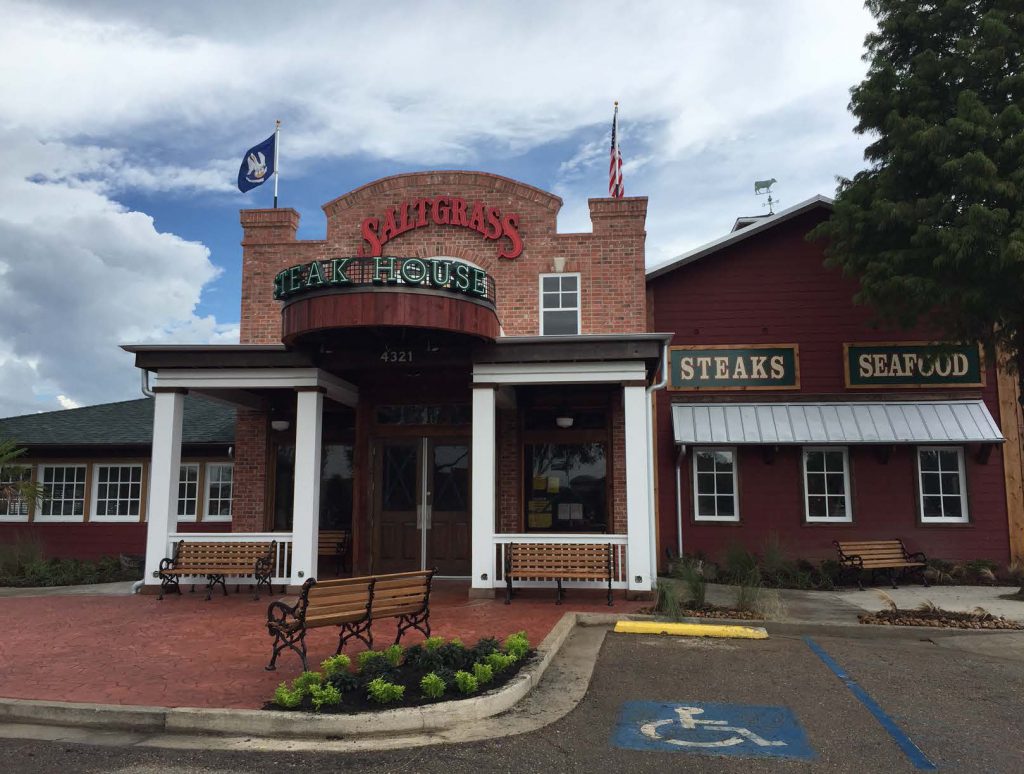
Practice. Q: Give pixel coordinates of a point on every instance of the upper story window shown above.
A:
(559, 304)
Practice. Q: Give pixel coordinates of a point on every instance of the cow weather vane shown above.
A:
(764, 188)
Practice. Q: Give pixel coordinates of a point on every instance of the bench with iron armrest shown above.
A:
(336, 543)
(558, 562)
(216, 561)
(351, 604)
(890, 556)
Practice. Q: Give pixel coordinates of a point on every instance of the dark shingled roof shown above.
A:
(128, 423)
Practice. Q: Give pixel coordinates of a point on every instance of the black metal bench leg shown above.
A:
(609, 591)
(892, 578)
(508, 590)
(558, 592)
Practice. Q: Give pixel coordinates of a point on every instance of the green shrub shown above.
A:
(326, 695)
(345, 681)
(691, 572)
(393, 654)
(517, 645)
(419, 657)
(367, 657)
(499, 662)
(335, 665)
(483, 673)
(432, 685)
(286, 697)
(431, 644)
(306, 681)
(454, 655)
(668, 601)
(484, 647)
(738, 563)
(748, 590)
(465, 682)
(384, 692)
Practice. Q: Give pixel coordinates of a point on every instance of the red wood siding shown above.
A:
(773, 288)
(79, 541)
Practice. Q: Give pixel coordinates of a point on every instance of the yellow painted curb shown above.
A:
(691, 630)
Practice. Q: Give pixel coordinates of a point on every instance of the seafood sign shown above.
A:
(912, 364)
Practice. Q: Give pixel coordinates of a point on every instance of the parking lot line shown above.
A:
(911, 750)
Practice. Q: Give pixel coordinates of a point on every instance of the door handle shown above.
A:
(428, 509)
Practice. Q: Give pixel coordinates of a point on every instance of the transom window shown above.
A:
(63, 492)
(13, 507)
(714, 490)
(559, 304)
(219, 484)
(942, 484)
(827, 485)
(118, 492)
(188, 492)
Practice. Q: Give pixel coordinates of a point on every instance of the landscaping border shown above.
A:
(272, 723)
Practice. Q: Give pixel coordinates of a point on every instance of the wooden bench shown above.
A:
(336, 543)
(880, 555)
(558, 562)
(216, 561)
(351, 604)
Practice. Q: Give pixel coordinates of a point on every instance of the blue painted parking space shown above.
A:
(711, 729)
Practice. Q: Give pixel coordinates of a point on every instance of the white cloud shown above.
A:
(80, 273)
(66, 402)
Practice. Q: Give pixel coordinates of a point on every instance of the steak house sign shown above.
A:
(487, 221)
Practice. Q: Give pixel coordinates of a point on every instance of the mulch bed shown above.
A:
(944, 619)
(357, 700)
(711, 611)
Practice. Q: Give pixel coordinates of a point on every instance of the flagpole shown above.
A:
(277, 157)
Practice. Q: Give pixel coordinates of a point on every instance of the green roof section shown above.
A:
(128, 423)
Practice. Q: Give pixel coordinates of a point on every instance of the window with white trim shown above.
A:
(63, 492)
(13, 507)
(559, 304)
(116, 492)
(714, 485)
(942, 484)
(827, 484)
(188, 492)
(219, 485)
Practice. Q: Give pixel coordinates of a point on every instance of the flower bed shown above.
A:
(434, 671)
(945, 619)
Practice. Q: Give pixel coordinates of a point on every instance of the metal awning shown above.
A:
(883, 422)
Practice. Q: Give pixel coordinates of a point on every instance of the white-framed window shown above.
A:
(559, 304)
(63, 495)
(188, 491)
(219, 486)
(942, 483)
(715, 496)
(14, 508)
(116, 492)
(827, 484)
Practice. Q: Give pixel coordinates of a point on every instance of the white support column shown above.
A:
(484, 439)
(164, 470)
(306, 504)
(638, 523)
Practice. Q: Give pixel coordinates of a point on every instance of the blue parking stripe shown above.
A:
(911, 750)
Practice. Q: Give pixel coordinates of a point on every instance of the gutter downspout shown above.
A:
(651, 526)
(679, 498)
(145, 384)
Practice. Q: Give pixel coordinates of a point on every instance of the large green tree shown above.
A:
(934, 227)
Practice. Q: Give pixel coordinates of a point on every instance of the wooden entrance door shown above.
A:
(421, 506)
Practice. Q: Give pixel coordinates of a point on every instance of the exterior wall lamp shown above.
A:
(279, 425)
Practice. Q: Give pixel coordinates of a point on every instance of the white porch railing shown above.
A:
(282, 558)
(620, 572)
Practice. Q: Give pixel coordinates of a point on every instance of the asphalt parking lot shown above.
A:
(960, 706)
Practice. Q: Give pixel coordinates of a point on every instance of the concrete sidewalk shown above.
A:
(841, 607)
(117, 589)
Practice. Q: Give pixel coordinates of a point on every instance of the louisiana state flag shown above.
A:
(258, 165)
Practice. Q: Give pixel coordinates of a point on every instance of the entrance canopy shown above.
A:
(882, 422)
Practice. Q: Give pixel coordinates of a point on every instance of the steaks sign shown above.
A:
(735, 367)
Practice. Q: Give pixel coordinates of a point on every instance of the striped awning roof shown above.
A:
(884, 422)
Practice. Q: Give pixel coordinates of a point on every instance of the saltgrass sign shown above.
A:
(913, 364)
(735, 367)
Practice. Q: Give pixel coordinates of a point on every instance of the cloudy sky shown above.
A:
(123, 124)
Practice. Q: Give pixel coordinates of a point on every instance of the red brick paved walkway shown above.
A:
(186, 652)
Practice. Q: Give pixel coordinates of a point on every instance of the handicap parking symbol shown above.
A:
(715, 729)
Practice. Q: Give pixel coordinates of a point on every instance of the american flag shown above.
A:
(615, 187)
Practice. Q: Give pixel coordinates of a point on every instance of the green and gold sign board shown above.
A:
(913, 364)
(735, 367)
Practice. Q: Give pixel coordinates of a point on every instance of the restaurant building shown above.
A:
(791, 417)
(445, 373)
